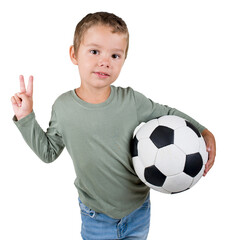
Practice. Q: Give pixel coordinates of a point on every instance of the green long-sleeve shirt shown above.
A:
(97, 137)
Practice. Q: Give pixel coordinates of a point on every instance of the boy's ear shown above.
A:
(72, 55)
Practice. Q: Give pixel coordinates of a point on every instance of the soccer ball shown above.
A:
(168, 154)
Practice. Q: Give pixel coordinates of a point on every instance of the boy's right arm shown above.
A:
(47, 145)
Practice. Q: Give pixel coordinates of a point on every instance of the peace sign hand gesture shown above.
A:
(23, 102)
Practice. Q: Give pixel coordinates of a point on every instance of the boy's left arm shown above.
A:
(147, 110)
(211, 149)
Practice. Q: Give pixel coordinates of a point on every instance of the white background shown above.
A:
(177, 57)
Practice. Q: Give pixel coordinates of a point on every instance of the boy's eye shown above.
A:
(94, 52)
(115, 56)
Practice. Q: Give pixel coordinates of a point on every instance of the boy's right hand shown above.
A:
(23, 102)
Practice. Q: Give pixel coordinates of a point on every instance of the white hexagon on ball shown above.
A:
(177, 183)
(170, 160)
(144, 130)
(138, 165)
(187, 140)
(147, 152)
(173, 122)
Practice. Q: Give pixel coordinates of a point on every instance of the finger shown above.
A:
(211, 157)
(206, 169)
(13, 100)
(209, 163)
(18, 100)
(22, 96)
(22, 84)
(30, 86)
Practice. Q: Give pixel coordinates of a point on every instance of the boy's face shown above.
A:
(100, 56)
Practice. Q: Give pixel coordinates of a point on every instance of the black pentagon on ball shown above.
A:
(162, 136)
(193, 164)
(133, 147)
(154, 176)
(193, 128)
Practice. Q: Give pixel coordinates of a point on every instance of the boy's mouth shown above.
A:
(102, 74)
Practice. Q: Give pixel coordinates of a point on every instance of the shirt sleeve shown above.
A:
(148, 110)
(46, 145)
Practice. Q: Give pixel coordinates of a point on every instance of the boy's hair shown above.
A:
(99, 18)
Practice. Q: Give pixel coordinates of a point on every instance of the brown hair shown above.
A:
(103, 18)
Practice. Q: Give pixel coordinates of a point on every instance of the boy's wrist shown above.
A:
(19, 117)
(206, 132)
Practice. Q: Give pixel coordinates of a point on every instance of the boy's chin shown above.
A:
(103, 83)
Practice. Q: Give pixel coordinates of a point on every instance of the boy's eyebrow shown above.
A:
(98, 46)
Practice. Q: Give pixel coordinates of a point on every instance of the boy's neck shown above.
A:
(94, 96)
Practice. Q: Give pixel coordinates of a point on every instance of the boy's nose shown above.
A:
(104, 62)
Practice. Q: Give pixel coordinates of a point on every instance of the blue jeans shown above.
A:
(98, 226)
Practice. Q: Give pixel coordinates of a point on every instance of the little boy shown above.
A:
(95, 122)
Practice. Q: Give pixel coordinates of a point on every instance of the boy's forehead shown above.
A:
(98, 35)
